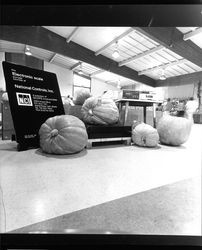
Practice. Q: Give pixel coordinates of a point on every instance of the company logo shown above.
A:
(24, 99)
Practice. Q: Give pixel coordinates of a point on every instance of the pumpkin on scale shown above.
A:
(63, 134)
(144, 135)
(98, 110)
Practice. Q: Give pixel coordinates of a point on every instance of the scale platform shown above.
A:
(108, 134)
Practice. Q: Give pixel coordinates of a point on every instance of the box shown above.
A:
(197, 117)
(130, 94)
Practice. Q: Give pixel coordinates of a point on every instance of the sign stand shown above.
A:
(34, 96)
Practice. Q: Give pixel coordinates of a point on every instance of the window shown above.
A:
(81, 82)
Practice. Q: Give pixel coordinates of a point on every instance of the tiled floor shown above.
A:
(37, 187)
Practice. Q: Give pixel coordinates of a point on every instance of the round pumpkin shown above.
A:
(4, 96)
(174, 130)
(63, 134)
(97, 110)
(81, 96)
(144, 135)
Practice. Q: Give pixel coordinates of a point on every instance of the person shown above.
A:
(190, 107)
(167, 106)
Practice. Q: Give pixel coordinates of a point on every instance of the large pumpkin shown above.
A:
(81, 96)
(64, 134)
(97, 110)
(174, 130)
(144, 135)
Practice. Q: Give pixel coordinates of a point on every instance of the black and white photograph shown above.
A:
(101, 125)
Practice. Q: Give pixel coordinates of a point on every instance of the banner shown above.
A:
(34, 96)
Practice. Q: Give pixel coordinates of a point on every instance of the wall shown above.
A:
(65, 81)
(98, 87)
(2, 80)
(64, 77)
(183, 91)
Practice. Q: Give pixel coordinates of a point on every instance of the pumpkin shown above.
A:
(81, 96)
(144, 135)
(174, 130)
(63, 134)
(98, 110)
(4, 96)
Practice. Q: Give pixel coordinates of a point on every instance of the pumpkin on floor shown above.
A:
(174, 130)
(144, 135)
(64, 134)
(81, 96)
(98, 110)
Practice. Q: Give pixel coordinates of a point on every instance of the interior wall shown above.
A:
(64, 77)
(2, 80)
(183, 91)
(98, 87)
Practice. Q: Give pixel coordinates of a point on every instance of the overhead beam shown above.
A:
(75, 66)
(42, 38)
(52, 58)
(97, 72)
(172, 38)
(164, 66)
(180, 80)
(148, 52)
(69, 38)
(191, 34)
(114, 41)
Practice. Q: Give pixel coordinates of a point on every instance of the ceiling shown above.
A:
(147, 57)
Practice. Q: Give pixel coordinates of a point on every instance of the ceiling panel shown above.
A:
(193, 66)
(66, 61)
(94, 38)
(88, 68)
(197, 39)
(41, 53)
(63, 31)
(185, 30)
(134, 43)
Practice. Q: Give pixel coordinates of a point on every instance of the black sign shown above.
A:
(34, 96)
(130, 94)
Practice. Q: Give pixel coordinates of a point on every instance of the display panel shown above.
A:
(34, 96)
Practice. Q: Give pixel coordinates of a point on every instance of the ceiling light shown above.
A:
(116, 54)
(119, 84)
(27, 51)
(80, 71)
(162, 77)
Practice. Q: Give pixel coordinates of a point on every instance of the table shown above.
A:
(140, 103)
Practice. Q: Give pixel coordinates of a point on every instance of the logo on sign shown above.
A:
(24, 99)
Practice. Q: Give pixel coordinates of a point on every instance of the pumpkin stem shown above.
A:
(99, 101)
(90, 111)
(54, 133)
(144, 140)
